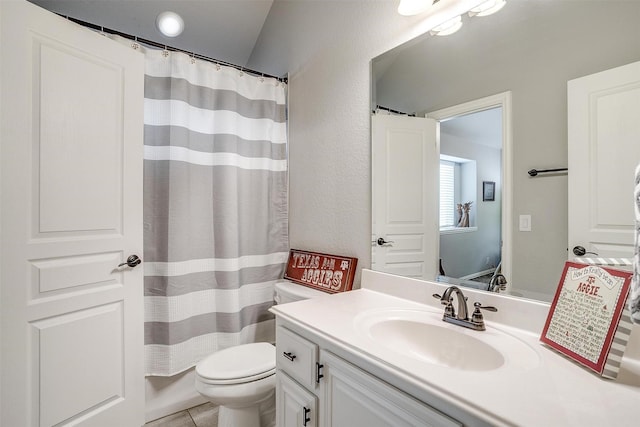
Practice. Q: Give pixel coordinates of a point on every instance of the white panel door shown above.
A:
(604, 149)
(404, 186)
(71, 176)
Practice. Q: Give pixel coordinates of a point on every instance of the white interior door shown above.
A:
(604, 149)
(405, 181)
(71, 196)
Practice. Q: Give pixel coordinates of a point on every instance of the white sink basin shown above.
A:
(422, 335)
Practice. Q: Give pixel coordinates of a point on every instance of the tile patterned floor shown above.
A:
(201, 416)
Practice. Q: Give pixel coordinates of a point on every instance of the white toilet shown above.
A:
(241, 380)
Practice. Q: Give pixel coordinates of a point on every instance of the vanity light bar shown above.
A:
(415, 7)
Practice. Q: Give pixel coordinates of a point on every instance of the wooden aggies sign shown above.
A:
(328, 273)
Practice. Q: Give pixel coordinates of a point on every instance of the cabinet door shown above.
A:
(352, 397)
(295, 406)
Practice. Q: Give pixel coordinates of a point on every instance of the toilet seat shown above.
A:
(239, 364)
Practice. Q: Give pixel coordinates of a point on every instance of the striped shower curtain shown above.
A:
(215, 208)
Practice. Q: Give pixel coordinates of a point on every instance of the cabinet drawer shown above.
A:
(297, 356)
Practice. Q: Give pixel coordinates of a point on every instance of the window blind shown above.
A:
(447, 193)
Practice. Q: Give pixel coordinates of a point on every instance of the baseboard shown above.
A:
(168, 395)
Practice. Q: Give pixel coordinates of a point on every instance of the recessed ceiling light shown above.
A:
(170, 24)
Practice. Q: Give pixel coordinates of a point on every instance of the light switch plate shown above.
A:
(525, 222)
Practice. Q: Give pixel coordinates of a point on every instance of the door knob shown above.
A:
(382, 242)
(132, 261)
(581, 251)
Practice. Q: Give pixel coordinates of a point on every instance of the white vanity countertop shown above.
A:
(554, 391)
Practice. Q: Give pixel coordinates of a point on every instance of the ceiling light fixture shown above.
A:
(170, 24)
(487, 8)
(413, 7)
(448, 27)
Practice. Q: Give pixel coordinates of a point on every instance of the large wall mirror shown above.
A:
(494, 97)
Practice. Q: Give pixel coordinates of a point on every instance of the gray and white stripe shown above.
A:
(215, 208)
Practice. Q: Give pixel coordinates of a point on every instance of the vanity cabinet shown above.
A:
(317, 388)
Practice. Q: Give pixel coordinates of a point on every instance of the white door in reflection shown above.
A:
(603, 132)
(405, 158)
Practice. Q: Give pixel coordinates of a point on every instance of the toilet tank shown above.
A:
(286, 291)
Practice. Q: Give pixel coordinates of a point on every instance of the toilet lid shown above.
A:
(242, 363)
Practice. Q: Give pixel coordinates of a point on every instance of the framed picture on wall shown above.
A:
(488, 191)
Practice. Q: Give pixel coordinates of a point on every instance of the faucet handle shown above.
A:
(448, 310)
(438, 296)
(479, 306)
(476, 317)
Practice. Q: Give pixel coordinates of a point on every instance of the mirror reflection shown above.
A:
(470, 214)
(529, 50)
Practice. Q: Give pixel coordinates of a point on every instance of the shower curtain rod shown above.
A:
(169, 48)
(380, 107)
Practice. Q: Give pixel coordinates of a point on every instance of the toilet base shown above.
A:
(236, 417)
(261, 414)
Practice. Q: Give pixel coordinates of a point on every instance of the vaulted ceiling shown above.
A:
(227, 30)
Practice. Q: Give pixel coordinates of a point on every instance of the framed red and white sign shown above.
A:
(588, 315)
(328, 273)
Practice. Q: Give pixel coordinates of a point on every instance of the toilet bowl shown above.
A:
(241, 380)
(238, 379)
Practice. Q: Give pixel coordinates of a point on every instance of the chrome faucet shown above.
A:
(498, 283)
(461, 318)
(445, 300)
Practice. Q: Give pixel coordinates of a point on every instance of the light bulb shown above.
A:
(487, 8)
(413, 7)
(170, 24)
(446, 28)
